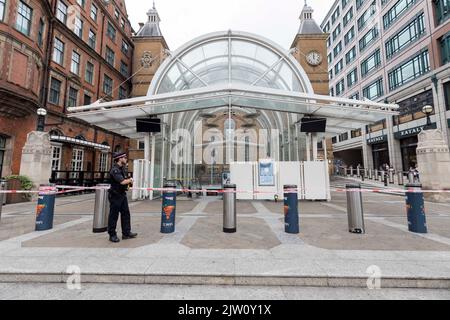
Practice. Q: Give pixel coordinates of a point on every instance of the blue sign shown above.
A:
(267, 173)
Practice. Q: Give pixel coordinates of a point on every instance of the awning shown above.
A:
(80, 142)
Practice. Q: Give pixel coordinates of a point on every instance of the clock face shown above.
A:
(314, 58)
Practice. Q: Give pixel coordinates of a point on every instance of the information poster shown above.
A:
(267, 173)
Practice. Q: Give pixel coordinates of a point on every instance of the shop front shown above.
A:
(380, 150)
(408, 145)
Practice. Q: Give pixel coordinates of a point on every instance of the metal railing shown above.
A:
(80, 178)
(389, 177)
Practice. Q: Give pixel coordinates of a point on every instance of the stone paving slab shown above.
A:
(332, 233)
(14, 226)
(81, 236)
(252, 233)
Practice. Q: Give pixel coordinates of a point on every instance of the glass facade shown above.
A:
(413, 31)
(409, 70)
(374, 90)
(442, 9)
(371, 63)
(396, 11)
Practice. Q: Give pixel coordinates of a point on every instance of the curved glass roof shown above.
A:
(230, 57)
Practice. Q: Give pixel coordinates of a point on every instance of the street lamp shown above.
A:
(41, 112)
(428, 110)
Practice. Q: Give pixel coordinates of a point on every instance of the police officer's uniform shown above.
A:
(118, 200)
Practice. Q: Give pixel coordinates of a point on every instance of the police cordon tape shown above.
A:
(51, 190)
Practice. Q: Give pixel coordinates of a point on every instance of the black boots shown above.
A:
(131, 235)
(114, 238)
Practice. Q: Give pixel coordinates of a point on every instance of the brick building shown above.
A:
(56, 54)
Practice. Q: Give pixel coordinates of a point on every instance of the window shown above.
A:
(340, 87)
(337, 31)
(56, 158)
(359, 3)
(344, 3)
(343, 137)
(78, 27)
(326, 28)
(89, 76)
(92, 39)
(349, 36)
(122, 23)
(354, 96)
(116, 14)
(110, 56)
(374, 90)
(73, 97)
(396, 11)
(413, 31)
(87, 100)
(40, 32)
(445, 49)
(2, 11)
(75, 66)
(442, 9)
(103, 163)
(332, 92)
(122, 93)
(447, 95)
(368, 38)
(334, 140)
(330, 74)
(335, 15)
(81, 3)
(111, 32)
(409, 70)
(352, 78)
(58, 51)
(348, 16)
(369, 13)
(371, 63)
(94, 11)
(107, 85)
(351, 55)
(77, 161)
(329, 41)
(338, 67)
(55, 91)
(24, 16)
(61, 12)
(123, 68)
(330, 58)
(125, 47)
(337, 49)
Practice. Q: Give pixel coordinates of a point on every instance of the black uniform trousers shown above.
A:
(119, 204)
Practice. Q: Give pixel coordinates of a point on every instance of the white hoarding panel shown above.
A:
(241, 174)
(315, 180)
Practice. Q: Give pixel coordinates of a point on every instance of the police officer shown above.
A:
(118, 199)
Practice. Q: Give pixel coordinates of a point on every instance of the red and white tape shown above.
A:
(52, 190)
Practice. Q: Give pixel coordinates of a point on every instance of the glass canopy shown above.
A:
(225, 58)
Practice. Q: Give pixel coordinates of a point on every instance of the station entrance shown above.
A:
(225, 98)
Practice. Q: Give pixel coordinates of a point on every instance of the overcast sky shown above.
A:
(183, 20)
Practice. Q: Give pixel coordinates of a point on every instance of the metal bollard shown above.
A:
(45, 207)
(101, 209)
(385, 178)
(355, 208)
(3, 187)
(400, 178)
(415, 207)
(169, 205)
(291, 224)
(358, 172)
(351, 171)
(376, 175)
(391, 176)
(229, 209)
(371, 174)
(363, 173)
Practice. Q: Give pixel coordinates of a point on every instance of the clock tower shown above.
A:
(311, 51)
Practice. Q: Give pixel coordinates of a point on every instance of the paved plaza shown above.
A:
(324, 254)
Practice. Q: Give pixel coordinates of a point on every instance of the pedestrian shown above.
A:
(118, 199)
